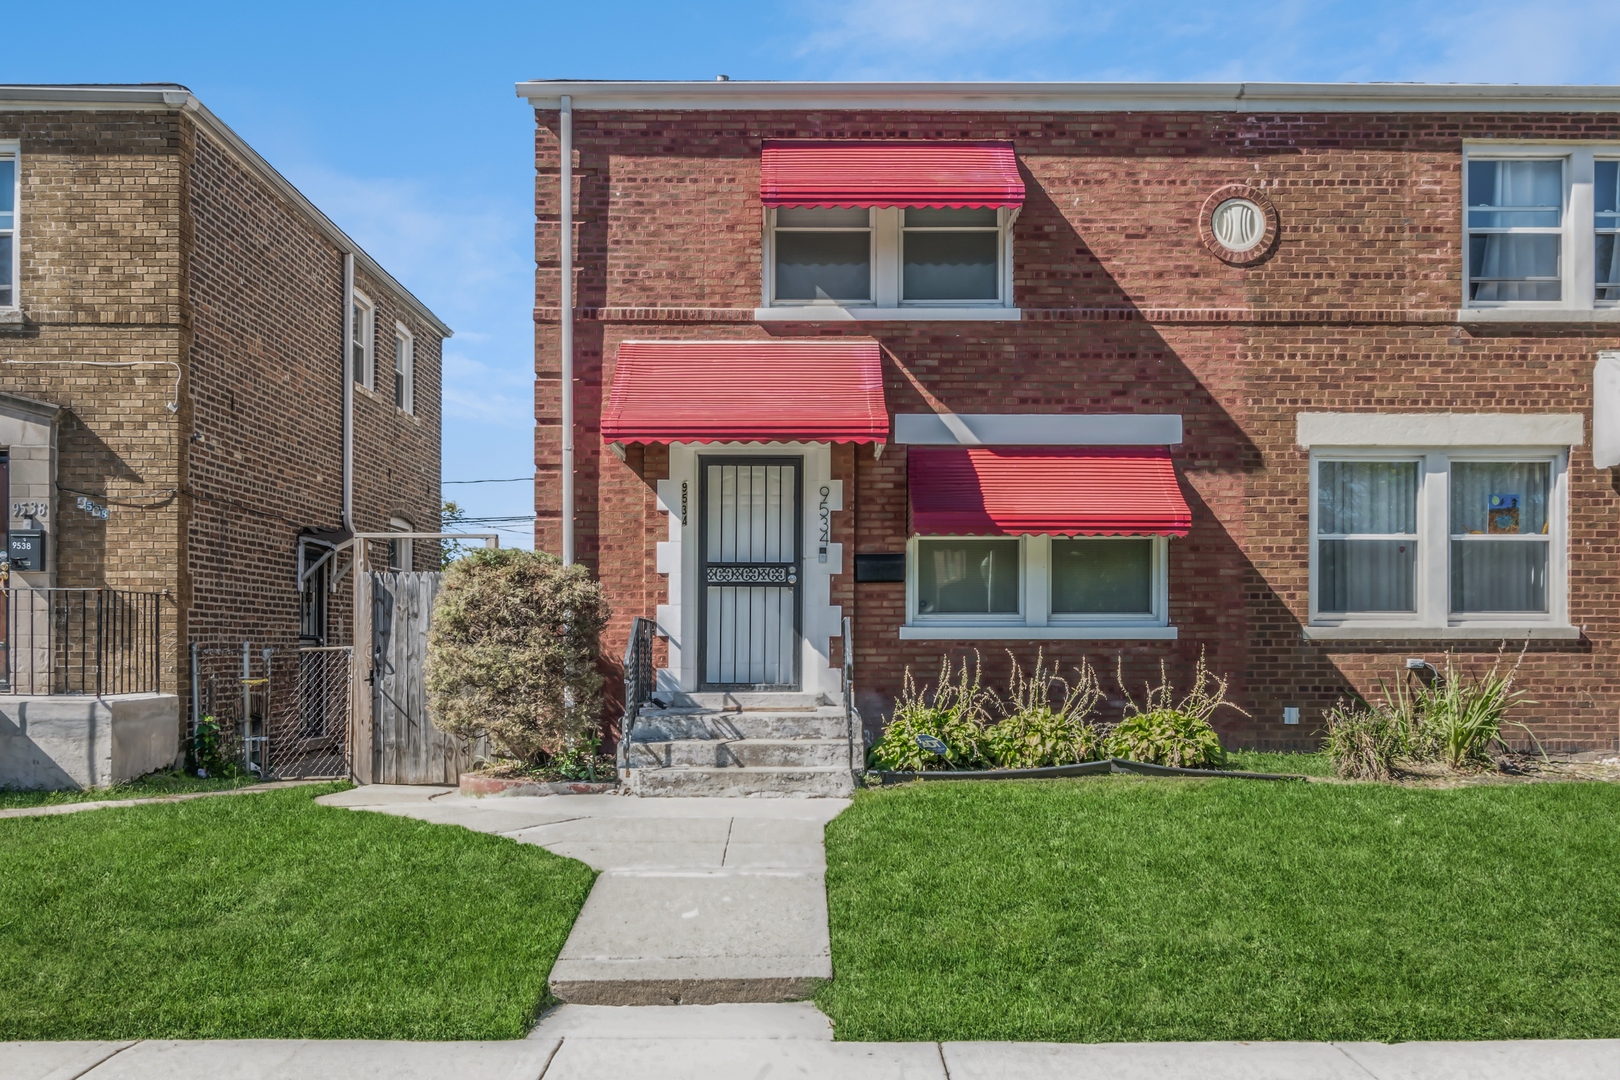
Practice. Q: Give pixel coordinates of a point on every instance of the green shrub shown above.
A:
(209, 750)
(1362, 743)
(1164, 731)
(1461, 717)
(954, 714)
(1033, 732)
(512, 653)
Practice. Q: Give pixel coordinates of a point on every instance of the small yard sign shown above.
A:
(933, 745)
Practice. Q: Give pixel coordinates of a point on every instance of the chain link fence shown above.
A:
(281, 713)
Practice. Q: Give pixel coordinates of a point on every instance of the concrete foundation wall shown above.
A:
(58, 743)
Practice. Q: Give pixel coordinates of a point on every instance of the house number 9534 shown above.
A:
(826, 522)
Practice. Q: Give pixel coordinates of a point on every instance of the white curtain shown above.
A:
(1499, 574)
(1527, 255)
(1366, 497)
(1608, 246)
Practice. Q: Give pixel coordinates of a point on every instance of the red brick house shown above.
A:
(1313, 379)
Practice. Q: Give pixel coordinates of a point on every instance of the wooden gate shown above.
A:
(404, 746)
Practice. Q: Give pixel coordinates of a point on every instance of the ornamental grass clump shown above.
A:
(1035, 732)
(1362, 743)
(1164, 731)
(512, 653)
(954, 713)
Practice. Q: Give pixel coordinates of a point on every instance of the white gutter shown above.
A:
(1076, 96)
(348, 392)
(566, 304)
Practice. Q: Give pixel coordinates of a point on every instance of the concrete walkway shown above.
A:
(700, 900)
(681, 1044)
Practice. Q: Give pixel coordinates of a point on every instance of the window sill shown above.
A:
(835, 313)
(11, 316)
(1412, 632)
(1564, 316)
(1037, 633)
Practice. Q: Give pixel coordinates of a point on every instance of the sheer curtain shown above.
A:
(1515, 194)
(1376, 502)
(1607, 207)
(1499, 535)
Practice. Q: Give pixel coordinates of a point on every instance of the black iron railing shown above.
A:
(849, 690)
(80, 641)
(638, 680)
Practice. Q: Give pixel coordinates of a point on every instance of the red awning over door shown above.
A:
(894, 173)
(747, 391)
(1063, 491)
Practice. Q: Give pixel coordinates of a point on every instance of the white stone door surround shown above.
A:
(678, 557)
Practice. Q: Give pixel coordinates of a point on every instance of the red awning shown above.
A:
(1063, 491)
(894, 173)
(747, 391)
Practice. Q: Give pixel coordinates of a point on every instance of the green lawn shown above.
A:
(268, 916)
(169, 782)
(1123, 908)
(1273, 761)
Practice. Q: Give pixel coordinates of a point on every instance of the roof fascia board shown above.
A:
(1075, 97)
(160, 99)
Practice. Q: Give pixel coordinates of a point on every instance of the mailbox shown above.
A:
(26, 550)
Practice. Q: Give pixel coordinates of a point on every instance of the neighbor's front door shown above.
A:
(749, 551)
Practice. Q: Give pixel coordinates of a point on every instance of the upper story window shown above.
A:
(8, 228)
(363, 359)
(400, 552)
(1541, 224)
(404, 369)
(1606, 214)
(888, 256)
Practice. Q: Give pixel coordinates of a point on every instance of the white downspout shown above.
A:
(566, 304)
(348, 392)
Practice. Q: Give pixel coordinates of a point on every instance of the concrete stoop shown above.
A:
(764, 745)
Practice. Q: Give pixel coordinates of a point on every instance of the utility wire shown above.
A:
(513, 480)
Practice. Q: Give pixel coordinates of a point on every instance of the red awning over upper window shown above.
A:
(1062, 491)
(747, 391)
(894, 173)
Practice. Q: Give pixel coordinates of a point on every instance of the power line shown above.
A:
(513, 480)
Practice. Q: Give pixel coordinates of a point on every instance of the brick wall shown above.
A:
(143, 239)
(1124, 310)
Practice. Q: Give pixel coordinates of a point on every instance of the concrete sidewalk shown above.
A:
(700, 900)
(681, 1044)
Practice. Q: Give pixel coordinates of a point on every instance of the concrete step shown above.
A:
(732, 753)
(741, 700)
(777, 782)
(659, 725)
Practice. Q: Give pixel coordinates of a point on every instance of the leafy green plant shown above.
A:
(1033, 731)
(954, 713)
(1363, 743)
(512, 652)
(208, 751)
(1462, 717)
(1165, 731)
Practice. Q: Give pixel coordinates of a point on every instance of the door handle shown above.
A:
(793, 578)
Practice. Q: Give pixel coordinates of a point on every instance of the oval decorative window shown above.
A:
(1238, 225)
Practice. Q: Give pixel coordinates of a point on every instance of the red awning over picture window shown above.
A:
(1061, 491)
(894, 173)
(747, 391)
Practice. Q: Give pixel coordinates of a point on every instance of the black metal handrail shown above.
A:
(80, 641)
(638, 681)
(849, 691)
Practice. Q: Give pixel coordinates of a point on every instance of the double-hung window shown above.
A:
(1541, 226)
(1038, 586)
(1606, 221)
(404, 369)
(363, 353)
(887, 257)
(8, 226)
(1437, 539)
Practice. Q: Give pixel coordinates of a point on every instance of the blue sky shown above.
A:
(401, 123)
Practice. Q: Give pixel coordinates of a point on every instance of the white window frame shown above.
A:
(1613, 230)
(12, 151)
(1432, 585)
(365, 336)
(405, 549)
(1035, 619)
(1577, 259)
(885, 299)
(404, 369)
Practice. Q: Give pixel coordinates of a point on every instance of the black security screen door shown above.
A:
(749, 571)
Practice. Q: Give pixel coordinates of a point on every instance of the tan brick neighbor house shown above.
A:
(176, 324)
(1315, 379)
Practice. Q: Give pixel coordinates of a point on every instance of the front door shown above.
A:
(749, 545)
